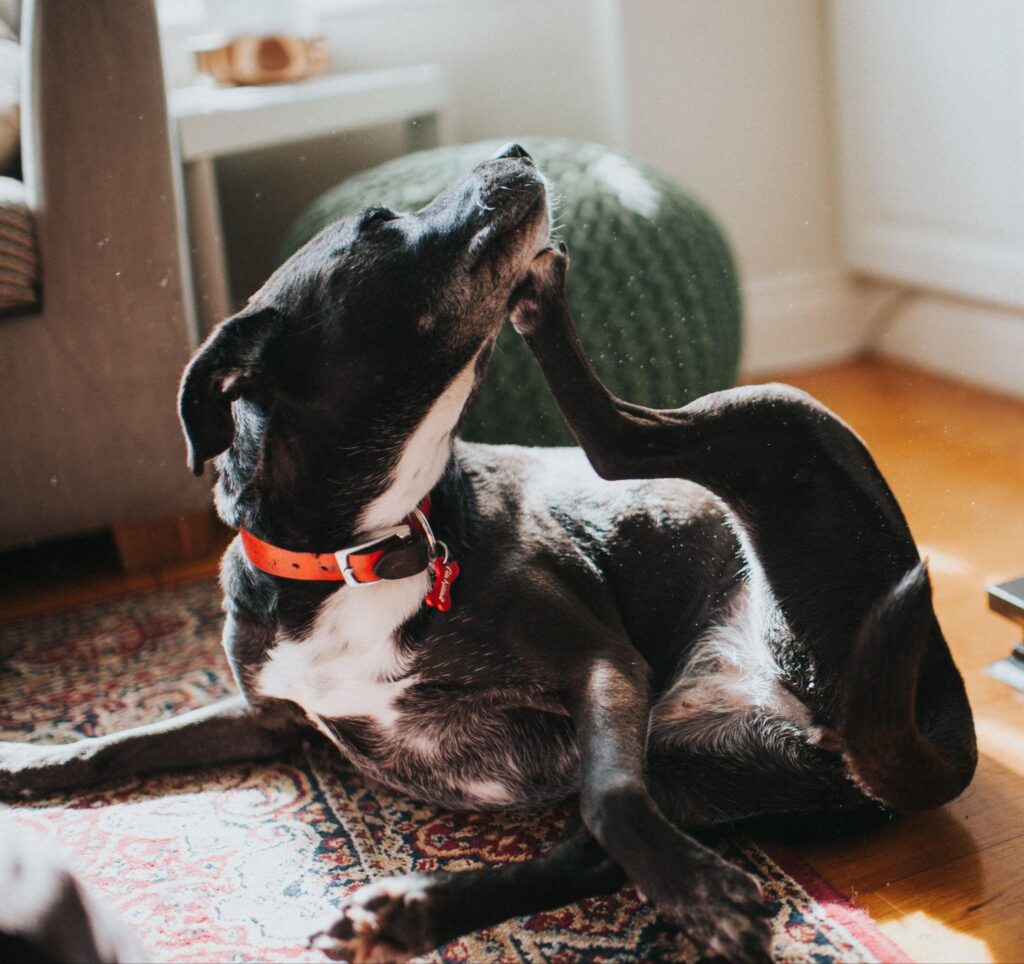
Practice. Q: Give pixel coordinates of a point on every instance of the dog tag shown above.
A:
(445, 573)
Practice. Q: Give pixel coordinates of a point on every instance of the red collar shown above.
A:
(395, 553)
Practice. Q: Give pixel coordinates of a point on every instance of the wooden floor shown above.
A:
(947, 885)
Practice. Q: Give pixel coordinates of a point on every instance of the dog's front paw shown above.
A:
(385, 921)
(21, 766)
(542, 289)
(721, 910)
(34, 770)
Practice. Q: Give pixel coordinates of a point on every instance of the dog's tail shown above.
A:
(905, 723)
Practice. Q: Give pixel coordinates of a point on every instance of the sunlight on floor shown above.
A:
(943, 562)
(1002, 740)
(935, 941)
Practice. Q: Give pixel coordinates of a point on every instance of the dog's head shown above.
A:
(339, 357)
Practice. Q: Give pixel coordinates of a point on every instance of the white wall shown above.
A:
(966, 340)
(930, 146)
(931, 142)
(729, 96)
(522, 67)
(528, 67)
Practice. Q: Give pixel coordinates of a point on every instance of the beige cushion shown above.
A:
(19, 260)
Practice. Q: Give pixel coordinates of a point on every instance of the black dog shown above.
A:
(748, 632)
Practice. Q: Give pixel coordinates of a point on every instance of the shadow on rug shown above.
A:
(242, 863)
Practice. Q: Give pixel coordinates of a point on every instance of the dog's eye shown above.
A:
(375, 217)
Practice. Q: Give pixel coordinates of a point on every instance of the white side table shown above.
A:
(212, 122)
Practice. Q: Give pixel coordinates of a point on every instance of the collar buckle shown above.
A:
(343, 556)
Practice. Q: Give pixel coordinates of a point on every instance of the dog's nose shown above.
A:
(513, 150)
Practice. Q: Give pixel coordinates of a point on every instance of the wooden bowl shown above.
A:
(273, 59)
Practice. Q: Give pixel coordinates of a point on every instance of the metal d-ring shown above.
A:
(432, 543)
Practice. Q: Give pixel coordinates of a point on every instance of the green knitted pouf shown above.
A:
(652, 286)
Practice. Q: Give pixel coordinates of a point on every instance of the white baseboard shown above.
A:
(806, 319)
(800, 320)
(968, 341)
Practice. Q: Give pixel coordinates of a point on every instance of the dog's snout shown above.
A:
(513, 150)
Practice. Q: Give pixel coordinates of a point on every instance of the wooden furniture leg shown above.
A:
(159, 543)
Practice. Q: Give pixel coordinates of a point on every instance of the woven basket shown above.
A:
(19, 259)
(653, 286)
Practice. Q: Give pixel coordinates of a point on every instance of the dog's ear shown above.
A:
(231, 362)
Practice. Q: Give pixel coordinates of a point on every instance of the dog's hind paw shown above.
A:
(723, 914)
(383, 922)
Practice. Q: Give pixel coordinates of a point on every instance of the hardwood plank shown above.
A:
(71, 575)
(955, 901)
(982, 818)
(927, 939)
(18, 604)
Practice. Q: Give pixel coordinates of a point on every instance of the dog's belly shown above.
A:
(468, 755)
(472, 755)
(731, 683)
(453, 746)
(443, 741)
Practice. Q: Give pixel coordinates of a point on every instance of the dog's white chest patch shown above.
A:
(349, 665)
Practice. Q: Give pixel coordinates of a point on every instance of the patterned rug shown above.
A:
(242, 863)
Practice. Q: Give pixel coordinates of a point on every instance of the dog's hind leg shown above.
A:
(823, 529)
(761, 770)
(228, 730)
(401, 917)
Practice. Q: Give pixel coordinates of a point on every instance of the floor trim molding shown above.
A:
(801, 320)
(965, 340)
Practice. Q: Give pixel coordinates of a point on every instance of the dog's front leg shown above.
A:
(228, 730)
(400, 917)
(718, 906)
